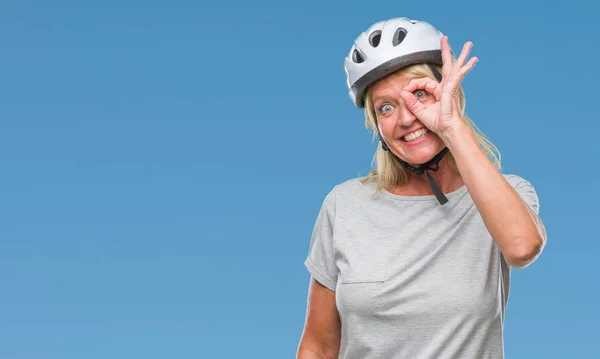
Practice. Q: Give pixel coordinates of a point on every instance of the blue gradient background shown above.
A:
(163, 164)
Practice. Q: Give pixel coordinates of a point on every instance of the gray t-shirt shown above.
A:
(413, 279)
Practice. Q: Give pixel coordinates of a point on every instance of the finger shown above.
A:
(414, 105)
(437, 93)
(463, 55)
(447, 61)
(423, 83)
(457, 78)
(468, 67)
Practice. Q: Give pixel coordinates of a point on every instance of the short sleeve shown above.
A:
(528, 193)
(526, 190)
(320, 261)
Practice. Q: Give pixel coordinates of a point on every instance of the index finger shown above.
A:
(422, 83)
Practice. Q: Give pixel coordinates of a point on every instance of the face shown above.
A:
(400, 129)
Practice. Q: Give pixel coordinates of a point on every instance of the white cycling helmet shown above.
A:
(386, 47)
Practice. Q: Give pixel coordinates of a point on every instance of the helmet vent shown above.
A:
(357, 57)
(399, 36)
(374, 38)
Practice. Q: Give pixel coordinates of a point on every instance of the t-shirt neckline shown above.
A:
(431, 197)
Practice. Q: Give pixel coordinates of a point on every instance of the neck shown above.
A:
(447, 179)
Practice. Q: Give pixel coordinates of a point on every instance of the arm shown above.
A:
(515, 227)
(322, 330)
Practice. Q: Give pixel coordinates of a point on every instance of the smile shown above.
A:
(417, 135)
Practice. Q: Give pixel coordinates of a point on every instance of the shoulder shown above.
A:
(355, 187)
(516, 180)
(525, 189)
(350, 190)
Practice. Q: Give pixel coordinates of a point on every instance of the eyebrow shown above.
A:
(379, 97)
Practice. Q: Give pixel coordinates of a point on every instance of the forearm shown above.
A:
(514, 227)
(322, 348)
(309, 354)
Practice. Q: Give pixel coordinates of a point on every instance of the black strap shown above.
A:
(431, 165)
(436, 190)
(436, 73)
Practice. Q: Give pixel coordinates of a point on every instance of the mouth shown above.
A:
(415, 136)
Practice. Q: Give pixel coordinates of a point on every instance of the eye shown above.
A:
(421, 94)
(386, 108)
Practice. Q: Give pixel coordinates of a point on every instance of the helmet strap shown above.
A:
(436, 73)
(431, 165)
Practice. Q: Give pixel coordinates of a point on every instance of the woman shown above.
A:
(413, 260)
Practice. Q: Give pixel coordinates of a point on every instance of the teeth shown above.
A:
(415, 135)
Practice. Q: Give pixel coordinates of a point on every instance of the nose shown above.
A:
(405, 117)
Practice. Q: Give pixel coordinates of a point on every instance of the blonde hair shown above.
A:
(388, 172)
